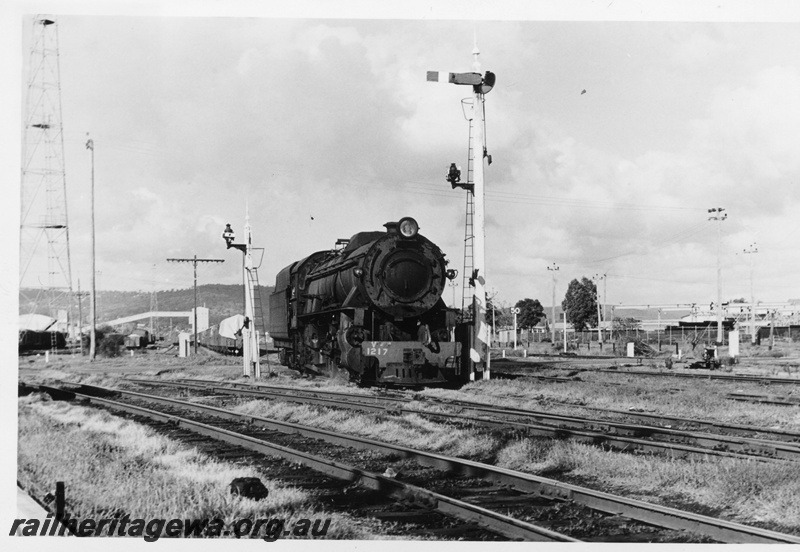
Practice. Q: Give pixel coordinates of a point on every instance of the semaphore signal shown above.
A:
(481, 85)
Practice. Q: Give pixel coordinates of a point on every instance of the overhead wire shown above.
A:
(684, 234)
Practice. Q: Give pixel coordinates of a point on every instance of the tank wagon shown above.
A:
(373, 307)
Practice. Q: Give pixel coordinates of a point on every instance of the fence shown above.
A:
(655, 338)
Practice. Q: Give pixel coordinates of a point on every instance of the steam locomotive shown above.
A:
(373, 307)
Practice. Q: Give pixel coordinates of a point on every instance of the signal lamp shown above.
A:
(453, 175)
(228, 235)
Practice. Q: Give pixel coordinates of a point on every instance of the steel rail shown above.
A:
(765, 399)
(661, 516)
(737, 447)
(493, 521)
(777, 435)
(627, 437)
(728, 377)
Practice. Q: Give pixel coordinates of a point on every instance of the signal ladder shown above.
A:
(469, 186)
(255, 300)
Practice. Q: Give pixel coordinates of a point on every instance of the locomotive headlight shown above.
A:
(408, 227)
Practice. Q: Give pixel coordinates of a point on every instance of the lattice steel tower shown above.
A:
(45, 265)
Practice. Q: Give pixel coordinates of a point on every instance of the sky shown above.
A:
(322, 124)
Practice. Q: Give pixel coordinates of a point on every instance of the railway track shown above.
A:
(528, 496)
(242, 435)
(674, 374)
(724, 377)
(617, 435)
(764, 399)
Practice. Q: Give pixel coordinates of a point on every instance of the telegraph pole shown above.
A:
(553, 268)
(194, 262)
(719, 217)
(753, 249)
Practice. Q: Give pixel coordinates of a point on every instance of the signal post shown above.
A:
(481, 85)
(251, 355)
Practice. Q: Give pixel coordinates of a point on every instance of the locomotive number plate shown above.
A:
(376, 348)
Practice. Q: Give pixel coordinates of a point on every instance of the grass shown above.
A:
(409, 430)
(672, 397)
(110, 465)
(741, 490)
(746, 491)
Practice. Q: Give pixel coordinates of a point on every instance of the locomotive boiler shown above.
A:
(372, 307)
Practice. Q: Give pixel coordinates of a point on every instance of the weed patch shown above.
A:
(113, 466)
(746, 490)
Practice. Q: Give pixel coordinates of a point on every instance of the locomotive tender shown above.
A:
(374, 308)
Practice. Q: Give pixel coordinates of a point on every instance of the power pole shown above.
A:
(494, 326)
(553, 268)
(772, 330)
(658, 330)
(753, 249)
(605, 281)
(93, 301)
(719, 217)
(194, 262)
(80, 316)
(597, 278)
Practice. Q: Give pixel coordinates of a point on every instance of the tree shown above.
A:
(495, 310)
(580, 304)
(530, 312)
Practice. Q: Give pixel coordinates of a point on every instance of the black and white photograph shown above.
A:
(310, 274)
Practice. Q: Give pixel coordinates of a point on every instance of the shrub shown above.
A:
(107, 342)
(111, 345)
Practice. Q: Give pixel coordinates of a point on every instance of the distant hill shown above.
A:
(222, 301)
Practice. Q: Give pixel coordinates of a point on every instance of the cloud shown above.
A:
(315, 40)
(697, 51)
(750, 134)
(334, 119)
